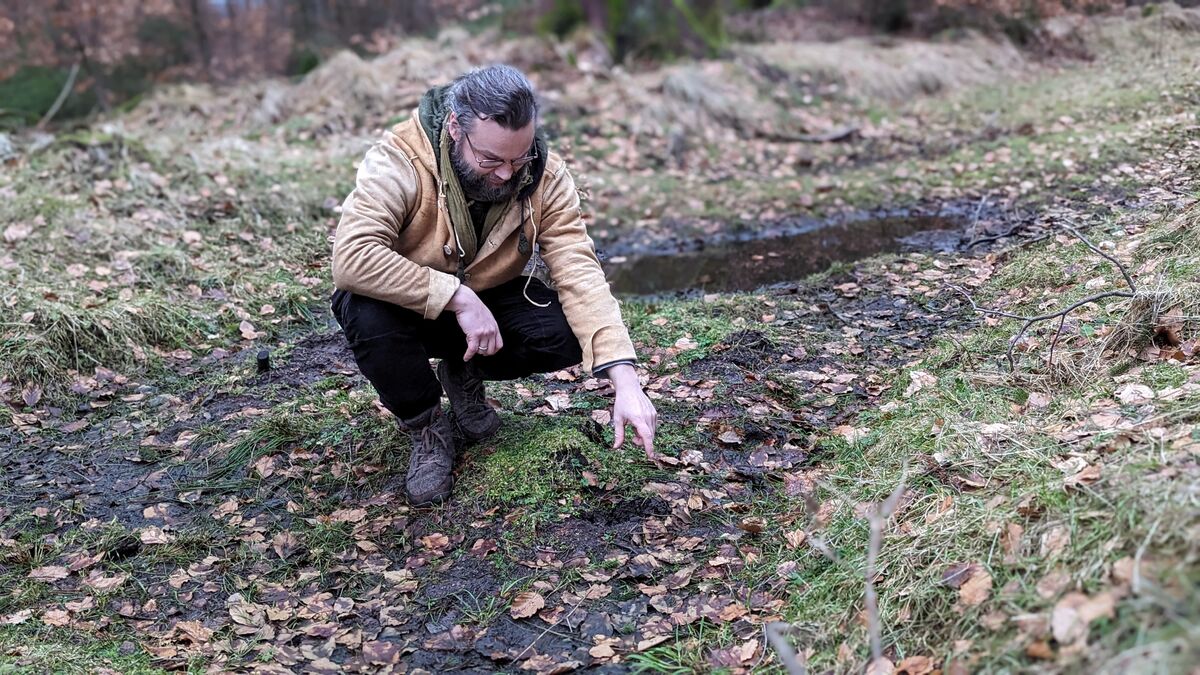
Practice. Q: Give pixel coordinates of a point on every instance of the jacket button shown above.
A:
(467, 275)
(447, 250)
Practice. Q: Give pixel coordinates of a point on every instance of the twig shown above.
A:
(839, 134)
(878, 517)
(1112, 259)
(1137, 559)
(1060, 314)
(795, 664)
(993, 237)
(62, 97)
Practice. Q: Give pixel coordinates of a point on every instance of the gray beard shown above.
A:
(475, 186)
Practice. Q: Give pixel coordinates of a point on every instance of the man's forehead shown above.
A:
(490, 137)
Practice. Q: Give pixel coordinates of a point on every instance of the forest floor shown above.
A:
(164, 505)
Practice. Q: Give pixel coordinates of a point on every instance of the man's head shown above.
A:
(493, 119)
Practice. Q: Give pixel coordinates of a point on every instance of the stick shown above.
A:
(840, 134)
(62, 97)
(878, 517)
(795, 664)
(1060, 314)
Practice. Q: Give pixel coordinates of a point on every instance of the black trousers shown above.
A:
(393, 345)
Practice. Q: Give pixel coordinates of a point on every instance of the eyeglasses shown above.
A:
(517, 164)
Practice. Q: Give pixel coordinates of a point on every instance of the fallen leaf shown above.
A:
(920, 380)
(381, 652)
(435, 542)
(18, 617)
(916, 665)
(247, 330)
(284, 543)
(1075, 612)
(482, 547)
(348, 515)
(102, 583)
(49, 573)
(155, 535)
(526, 604)
(16, 232)
(753, 524)
(977, 588)
(56, 617)
(1135, 394)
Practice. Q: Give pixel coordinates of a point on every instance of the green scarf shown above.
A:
(433, 114)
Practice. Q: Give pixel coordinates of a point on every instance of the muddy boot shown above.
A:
(429, 465)
(475, 419)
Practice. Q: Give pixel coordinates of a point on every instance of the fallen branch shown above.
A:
(795, 664)
(839, 134)
(62, 97)
(879, 516)
(1060, 314)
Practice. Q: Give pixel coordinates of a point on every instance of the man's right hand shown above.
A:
(477, 323)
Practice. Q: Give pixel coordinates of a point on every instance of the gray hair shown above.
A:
(498, 92)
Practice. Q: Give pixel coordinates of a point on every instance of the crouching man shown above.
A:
(428, 259)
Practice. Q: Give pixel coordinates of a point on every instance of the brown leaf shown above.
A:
(381, 652)
(194, 631)
(49, 573)
(526, 604)
(56, 617)
(265, 466)
(31, 394)
(1076, 611)
(916, 665)
(729, 437)
(102, 583)
(976, 589)
(154, 535)
(753, 524)
(284, 543)
(16, 232)
(348, 515)
(435, 542)
(482, 547)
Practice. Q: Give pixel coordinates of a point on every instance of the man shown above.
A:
(448, 208)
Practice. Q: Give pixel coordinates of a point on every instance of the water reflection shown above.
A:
(744, 265)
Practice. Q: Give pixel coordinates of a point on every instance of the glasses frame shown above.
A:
(517, 164)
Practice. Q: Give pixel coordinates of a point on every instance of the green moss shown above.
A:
(541, 462)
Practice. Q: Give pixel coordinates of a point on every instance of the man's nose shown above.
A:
(504, 171)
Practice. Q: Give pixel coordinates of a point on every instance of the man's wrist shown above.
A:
(461, 299)
(623, 377)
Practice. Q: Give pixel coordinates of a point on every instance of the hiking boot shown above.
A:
(429, 476)
(475, 419)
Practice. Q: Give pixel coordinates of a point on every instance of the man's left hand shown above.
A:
(632, 407)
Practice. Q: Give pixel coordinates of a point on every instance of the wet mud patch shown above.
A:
(794, 248)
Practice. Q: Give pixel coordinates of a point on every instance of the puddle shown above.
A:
(750, 263)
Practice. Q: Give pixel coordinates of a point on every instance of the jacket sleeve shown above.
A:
(570, 256)
(365, 258)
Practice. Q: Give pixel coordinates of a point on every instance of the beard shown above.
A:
(476, 186)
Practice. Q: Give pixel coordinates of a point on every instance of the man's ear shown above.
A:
(455, 130)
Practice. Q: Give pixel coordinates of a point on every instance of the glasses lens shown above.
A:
(490, 163)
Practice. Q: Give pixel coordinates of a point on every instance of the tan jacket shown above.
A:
(395, 243)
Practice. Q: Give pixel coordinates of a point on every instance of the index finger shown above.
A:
(472, 347)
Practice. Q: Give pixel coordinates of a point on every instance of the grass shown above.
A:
(117, 276)
(26, 649)
(1016, 469)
